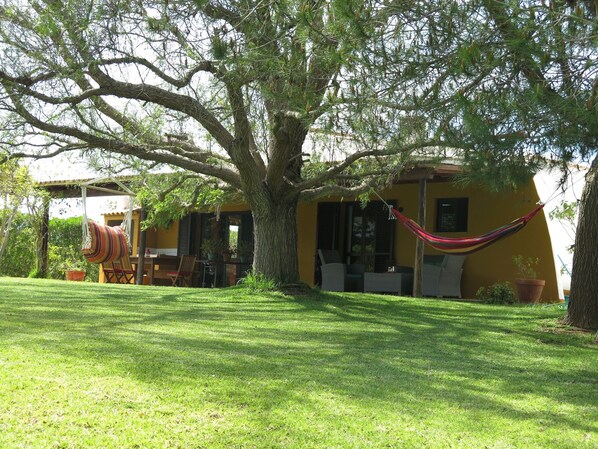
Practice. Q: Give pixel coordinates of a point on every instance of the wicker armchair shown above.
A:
(441, 276)
(337, 276)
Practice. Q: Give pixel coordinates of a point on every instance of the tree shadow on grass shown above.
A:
(367, 348)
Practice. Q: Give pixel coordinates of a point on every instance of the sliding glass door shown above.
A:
(370, 236)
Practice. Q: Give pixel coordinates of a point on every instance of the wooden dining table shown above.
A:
(157, 264)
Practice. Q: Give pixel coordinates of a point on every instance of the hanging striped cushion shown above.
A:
(107, 243)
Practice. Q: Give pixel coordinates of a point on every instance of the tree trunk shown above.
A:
(418, 265)
(6, 230)
(45, 238)
(275, 233)
(583, 301)
(142, 246)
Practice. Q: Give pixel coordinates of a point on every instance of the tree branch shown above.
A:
(171, 100)
(336, 190)
(141, 151)
(332, 172)
(204, 66)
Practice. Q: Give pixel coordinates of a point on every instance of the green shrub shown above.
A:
(19, 257)
(258, 282)
(499, 293)
(35, 274)
(64, 250)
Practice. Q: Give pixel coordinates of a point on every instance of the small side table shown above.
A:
(397, 283)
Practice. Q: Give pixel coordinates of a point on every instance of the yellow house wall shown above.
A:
(487, 211)
(155, 237)
(307, 215)
(165, 238)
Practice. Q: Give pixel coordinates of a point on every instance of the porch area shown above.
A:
(158, 270)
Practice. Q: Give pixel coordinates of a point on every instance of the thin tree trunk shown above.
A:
(275, 234)
(583, 301)
(142, 245)
(45, 236)
(6, 231)
(419, 245)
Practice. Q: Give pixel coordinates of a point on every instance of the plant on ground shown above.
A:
(64, 251)
(498, 293)
(258, 282)
(19, 256)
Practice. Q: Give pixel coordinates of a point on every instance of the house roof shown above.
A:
(439, 172)
(71, 188)
(119, 213)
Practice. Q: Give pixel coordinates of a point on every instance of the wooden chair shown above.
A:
(109, 273)
(124, 271)
(184, 274)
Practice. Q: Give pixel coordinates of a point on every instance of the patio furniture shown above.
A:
(391, 282)
(124, 271)
(441, 275)
(337, 276)
(184, 274)
(157, 265)
(109, 274)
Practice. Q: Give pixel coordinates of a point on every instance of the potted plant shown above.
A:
(74, 270)
(244, 251)
(529, 288)
(212, 248)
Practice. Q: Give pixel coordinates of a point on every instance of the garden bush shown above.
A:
(18, 259)
(499, 293)
(64, 249)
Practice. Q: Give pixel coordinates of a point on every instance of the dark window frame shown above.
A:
(383, 255)
(452, 214)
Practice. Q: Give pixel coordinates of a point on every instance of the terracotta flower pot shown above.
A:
(529, 290)
(74, 275)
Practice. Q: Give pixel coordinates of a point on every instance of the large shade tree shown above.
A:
(235, 91)
(539, 104)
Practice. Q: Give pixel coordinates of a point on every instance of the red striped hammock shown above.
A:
(102, 243)
(105, 243)
(464, 245)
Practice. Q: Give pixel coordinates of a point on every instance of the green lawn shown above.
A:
(105, 366)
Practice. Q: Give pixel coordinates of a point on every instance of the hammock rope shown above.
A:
(464, 245)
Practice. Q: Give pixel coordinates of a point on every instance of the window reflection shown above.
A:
(371, 235)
